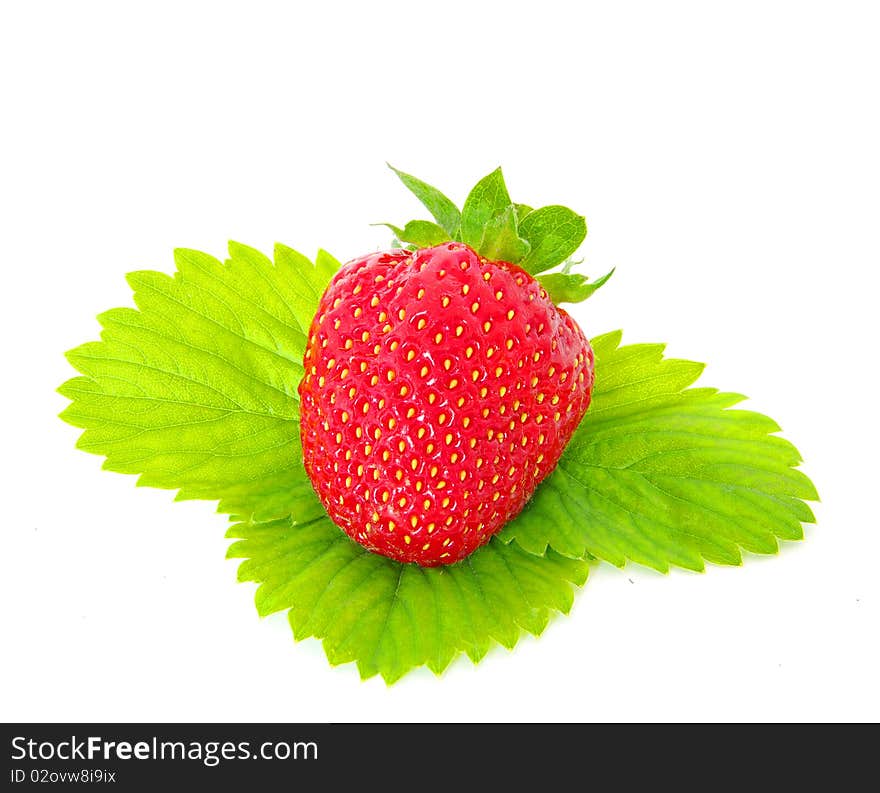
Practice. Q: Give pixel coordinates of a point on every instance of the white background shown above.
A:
(726, 158)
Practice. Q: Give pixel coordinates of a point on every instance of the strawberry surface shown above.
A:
(440, 388)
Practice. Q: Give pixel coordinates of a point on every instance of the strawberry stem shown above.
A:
(538, 240)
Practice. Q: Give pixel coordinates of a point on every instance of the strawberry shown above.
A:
(440, 388)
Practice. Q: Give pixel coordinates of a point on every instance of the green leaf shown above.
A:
(554, 233)
(421, 233)
(489, 221)
(440, 207)
(487, 201)
(326, 265)
(570, 287)
(196, 390)
(662, 474)
(521, 211)
(390, 617)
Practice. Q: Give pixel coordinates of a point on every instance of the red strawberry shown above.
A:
(440, 389)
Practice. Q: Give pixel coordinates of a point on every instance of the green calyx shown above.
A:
(538, 240)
